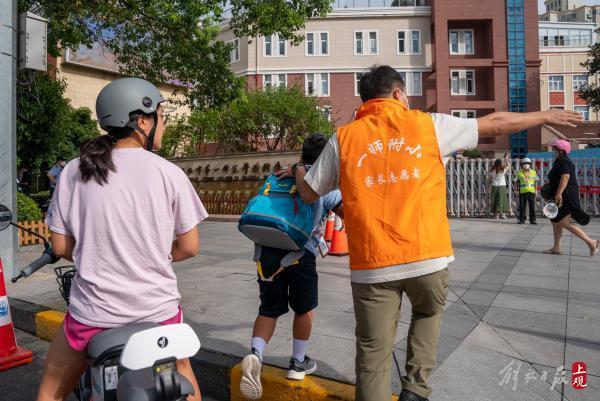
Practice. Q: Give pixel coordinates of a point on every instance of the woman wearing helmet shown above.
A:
(564, 186)
(114, 213)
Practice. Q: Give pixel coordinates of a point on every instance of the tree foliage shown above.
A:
(260, 120)
(591, 93)
(47, 125)
(164, 40)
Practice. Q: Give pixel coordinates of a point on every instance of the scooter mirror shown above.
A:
(5, 217)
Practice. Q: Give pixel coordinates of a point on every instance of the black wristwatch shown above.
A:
(295, 167)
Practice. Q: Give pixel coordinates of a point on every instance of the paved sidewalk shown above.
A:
(513, 313)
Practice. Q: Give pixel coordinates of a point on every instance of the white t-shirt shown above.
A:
(499, 179)
(453, 134)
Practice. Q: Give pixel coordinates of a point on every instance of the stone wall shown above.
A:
(226, 183)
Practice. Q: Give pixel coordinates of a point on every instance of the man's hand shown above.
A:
(565, 118)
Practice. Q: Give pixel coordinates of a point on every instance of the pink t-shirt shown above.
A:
(123, 235)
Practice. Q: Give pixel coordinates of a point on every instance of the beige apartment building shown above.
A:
(571, 11)
(563, 48)
(87, 71)
(336, 50)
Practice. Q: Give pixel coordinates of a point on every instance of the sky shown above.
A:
(588, 2)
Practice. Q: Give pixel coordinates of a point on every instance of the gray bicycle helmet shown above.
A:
(119, 103)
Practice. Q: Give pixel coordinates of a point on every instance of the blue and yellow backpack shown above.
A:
(277, 217)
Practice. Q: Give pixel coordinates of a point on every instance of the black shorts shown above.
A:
(296, 285)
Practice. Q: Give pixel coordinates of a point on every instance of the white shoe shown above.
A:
(250, 385)
(503, 216)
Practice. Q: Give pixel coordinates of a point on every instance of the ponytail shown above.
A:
(95, 159)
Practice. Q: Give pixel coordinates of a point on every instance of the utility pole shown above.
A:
(8, 129)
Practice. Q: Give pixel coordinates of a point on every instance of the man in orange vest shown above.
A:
(389, 164)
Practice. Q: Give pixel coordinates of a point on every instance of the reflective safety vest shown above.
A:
(393, 183)
(527, 180)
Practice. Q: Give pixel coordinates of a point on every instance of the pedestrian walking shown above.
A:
(295, 285)
(564, 186)
(389, 166)
(499, 190)
(54, 173)
(527, 179)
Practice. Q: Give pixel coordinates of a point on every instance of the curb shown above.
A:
(218, 374)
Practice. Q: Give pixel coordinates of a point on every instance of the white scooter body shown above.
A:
(144, 368)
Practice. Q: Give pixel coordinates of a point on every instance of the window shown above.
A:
(413, 83)
(310, 44)
(324, 43)
(405, 47)
(357, 77)
(584, 111)
(274, 80)
(579, 81)
(416, 42)
(317, 43)
(317, 84)
(461, 41)
(464, 113)
(462, 82)
(565, 37)
(556, 83)
(274, 46)
(401, 42)
(365, 42)
(234, 54)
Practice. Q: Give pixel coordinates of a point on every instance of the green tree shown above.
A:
(164, 40)
(591, 93)
(47, 125)
(260, 120)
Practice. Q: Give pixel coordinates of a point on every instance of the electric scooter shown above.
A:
(137, 362)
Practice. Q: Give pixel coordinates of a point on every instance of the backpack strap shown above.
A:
(291, 259)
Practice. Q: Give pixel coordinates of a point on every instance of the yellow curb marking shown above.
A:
(277, 388)
(47, 323)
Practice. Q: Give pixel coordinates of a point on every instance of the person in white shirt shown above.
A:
(499, 191)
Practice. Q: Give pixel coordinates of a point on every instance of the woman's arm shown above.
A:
(507, 162)
(62, 245)
(564, 180)
(186, 245)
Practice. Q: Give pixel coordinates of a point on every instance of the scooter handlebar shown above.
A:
(46, 258)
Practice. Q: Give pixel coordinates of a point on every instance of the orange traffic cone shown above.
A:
(329, 227)
(11, 354)
(339, 243)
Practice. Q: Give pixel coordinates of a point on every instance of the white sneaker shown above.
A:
(250, 385)
(503, 216)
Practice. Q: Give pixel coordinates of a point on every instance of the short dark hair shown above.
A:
(312, 148)
(380, 81)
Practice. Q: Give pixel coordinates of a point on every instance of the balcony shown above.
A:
(565, 41)
(337, 4)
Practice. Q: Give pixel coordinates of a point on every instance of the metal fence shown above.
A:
(469, 191)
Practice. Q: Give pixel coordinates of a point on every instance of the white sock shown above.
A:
(259, 344)
(299, 349)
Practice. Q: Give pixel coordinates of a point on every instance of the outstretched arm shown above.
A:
(504, 123)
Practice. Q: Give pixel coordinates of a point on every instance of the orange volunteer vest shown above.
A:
(393, 185)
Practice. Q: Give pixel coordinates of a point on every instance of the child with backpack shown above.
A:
(295, 285)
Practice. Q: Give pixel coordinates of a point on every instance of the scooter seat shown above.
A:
(111, 342)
